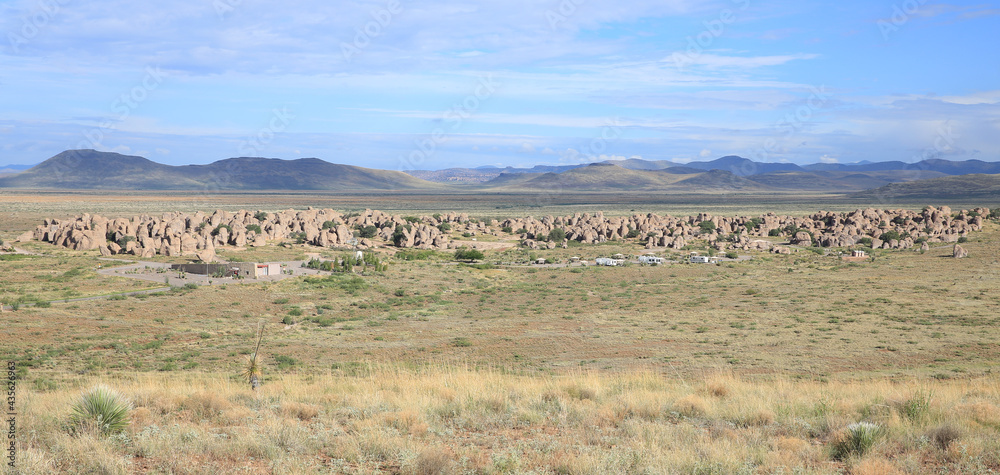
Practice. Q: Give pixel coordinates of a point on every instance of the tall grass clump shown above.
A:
(857, 439)
(102, 409)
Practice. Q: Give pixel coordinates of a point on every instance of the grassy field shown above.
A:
(435, 366)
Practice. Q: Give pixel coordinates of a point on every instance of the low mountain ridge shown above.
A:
(90, 169)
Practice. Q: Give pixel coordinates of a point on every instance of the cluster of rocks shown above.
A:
(886, 229)
(183, 234)
(198, 234)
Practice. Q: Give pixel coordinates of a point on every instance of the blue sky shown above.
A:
(400, 84)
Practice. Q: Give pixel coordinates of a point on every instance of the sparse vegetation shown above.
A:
(102, 410)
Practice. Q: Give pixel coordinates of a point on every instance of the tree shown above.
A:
(468, 255)
(367, 232)
(557, 235)
(706, 226)
(399, 235)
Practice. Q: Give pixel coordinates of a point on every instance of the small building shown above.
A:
(540, 260)
(267, 269)
(857, 255)
(233, 269)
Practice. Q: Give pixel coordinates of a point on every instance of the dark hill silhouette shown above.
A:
(90, 169)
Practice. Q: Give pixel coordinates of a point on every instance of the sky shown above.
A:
(403, 85)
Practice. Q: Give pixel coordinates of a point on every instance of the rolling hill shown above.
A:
(90, 169)
(608, 177)
(974, 186)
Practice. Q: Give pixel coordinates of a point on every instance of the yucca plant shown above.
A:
(103, 409)
(252, 367)
(857, 439)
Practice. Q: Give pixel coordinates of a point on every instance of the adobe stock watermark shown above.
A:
(901, 13)
(944, 141)
(363, 37)
(562, 12)
(252, 146)
(453, 119)
(696, 45)
(225, 7)
(791, 124)
(611, 131)
(33, 24)
(123, 106)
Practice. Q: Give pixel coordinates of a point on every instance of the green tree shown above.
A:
(468, 255)
(557, 235)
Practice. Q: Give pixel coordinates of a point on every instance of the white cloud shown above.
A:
(705, 153)
(714, 61)
(828, 159)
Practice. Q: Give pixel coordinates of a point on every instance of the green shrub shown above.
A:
(261, 216)
(507, 229)
(856, 440)
(255, 228)
(706, 227)
(287, 320)
(461, 342)
(732, 255)
(557, 235)
(125, 240)
(367, 232)
(102, 409)
(285, 362)
(295, 312)
(215, 232)
(468, 255)
(917, 407)
(399, 235)
(444, 227)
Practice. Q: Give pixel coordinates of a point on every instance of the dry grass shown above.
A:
(672, 369)
(451, 420)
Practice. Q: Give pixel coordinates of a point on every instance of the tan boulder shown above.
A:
(959, 252)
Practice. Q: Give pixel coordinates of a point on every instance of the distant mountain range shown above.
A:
(839, 177)
(9, 169)
(974, 186)
(89, 169)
